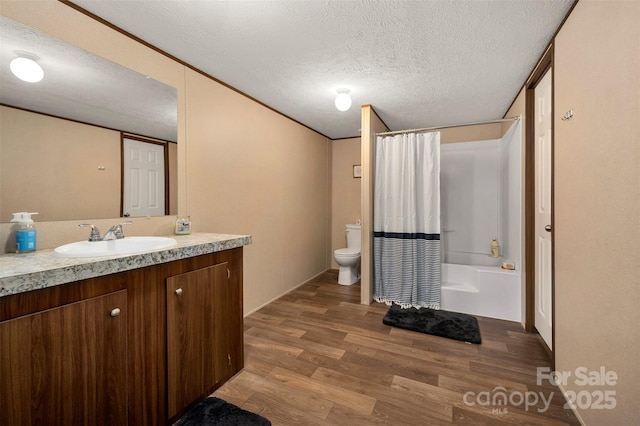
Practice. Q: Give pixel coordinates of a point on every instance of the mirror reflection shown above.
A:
(89, 132)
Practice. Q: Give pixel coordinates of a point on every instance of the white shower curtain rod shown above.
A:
(398, 132)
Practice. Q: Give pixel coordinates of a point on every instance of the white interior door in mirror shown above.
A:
(143, 180)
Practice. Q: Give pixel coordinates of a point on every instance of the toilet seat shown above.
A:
(347, 252)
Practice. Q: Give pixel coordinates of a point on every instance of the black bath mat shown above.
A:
(214, 411)
(437, 322)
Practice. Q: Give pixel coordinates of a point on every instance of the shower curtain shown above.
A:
(406, 220)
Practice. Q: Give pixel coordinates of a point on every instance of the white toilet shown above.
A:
(349, 258)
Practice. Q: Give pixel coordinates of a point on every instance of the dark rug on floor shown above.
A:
(214, 411)
(452, 325)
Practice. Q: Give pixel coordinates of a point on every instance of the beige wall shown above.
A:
(597, 201)
(48, 164)
(252, 171)
(242, 168)
(370, 124)
(478, 132)
(345, 191)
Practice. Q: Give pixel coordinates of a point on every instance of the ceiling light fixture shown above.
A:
(343, 100)
(26, 67)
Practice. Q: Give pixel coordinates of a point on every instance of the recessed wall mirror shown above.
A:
(90, 140)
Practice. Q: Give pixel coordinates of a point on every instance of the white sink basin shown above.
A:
(128, 245)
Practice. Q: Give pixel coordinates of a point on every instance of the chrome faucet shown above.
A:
(114, 233)
(95, 233)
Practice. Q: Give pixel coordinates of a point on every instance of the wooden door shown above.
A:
(543, 207)
(66, 365)
(192, 355)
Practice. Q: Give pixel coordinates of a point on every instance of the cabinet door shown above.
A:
(228, 327)
(66, 365)
(191, 332)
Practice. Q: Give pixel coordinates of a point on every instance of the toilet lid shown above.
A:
(348, 252)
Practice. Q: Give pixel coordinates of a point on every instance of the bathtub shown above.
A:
(487, 291)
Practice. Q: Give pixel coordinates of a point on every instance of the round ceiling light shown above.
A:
(26, 67)
(343, 100)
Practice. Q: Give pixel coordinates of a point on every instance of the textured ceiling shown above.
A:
(419, 63)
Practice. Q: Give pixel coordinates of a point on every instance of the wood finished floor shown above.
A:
(316, 356)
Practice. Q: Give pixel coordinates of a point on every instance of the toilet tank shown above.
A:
(353, 236)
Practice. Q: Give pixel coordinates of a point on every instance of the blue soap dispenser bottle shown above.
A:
(26, 233)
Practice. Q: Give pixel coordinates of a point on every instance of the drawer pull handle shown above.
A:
(179, 292)
(115, 312)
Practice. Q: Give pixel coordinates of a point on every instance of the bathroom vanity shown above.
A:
(130, 339)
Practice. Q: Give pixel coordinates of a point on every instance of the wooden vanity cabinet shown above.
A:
(58, 350)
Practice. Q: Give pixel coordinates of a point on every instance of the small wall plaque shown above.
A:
(357, 171)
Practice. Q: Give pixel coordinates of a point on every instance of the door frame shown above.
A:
(145, 139)
(545, 64)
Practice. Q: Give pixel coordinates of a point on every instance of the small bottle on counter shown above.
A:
(26, 233)
(183, 225)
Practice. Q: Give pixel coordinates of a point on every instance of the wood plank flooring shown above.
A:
(317, 357)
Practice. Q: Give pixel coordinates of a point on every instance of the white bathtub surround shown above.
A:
(470, 200)
(406, 220)
(487, 291)
(481, 199)
(511, 194)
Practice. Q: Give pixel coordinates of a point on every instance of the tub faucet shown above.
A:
(115, 232)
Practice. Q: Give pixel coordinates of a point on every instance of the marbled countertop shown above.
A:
(40, 269)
